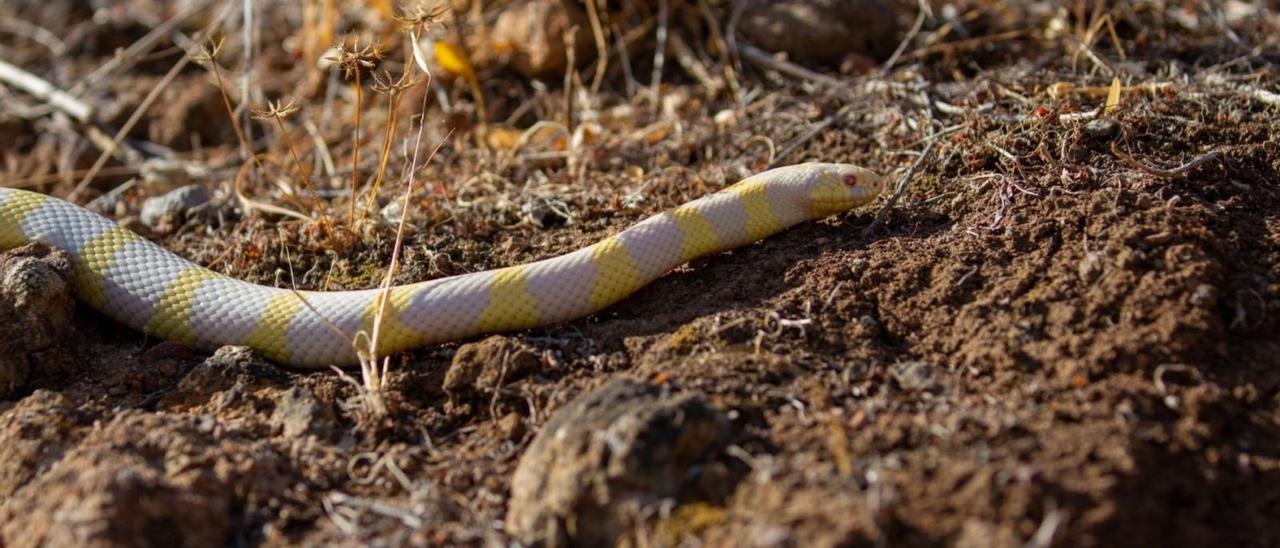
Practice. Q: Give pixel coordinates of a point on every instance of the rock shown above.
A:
(512, 426)
(1102, 130)
(227, 368)
(531, 34)
(606, 459)
(478, 367)
(175, 204)
(1090, 267)
(300, 413)
(35, 313)
(822, 30)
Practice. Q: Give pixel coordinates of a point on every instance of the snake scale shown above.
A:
(144, 286)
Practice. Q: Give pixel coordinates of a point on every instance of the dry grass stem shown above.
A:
(278, 112)
(394, 90)
(353, 60)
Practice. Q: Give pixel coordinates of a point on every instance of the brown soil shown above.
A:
(1047, 340)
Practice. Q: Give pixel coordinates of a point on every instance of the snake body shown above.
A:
(141, 284)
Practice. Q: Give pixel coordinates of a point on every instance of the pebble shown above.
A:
(1102, 129)
(545, 212)
(178, 203)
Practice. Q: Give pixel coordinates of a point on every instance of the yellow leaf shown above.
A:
(455, 62)
(1113, 97)
(452, 59)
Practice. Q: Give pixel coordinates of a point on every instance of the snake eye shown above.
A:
(849, 180)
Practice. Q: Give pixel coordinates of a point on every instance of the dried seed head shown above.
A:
(352, 57)
(209, 50)
(420, 16)
(384, 83)
(275, 110)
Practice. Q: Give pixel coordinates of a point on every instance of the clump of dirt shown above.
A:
(35, 314)
(1061, 331)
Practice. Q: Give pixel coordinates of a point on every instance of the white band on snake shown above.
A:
(148, 288)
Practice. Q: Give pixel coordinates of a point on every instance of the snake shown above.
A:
(143, 285)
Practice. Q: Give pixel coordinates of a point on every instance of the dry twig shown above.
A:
(44, 91)
(1166, 173)
(901, 188)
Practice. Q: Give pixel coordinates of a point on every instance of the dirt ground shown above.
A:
(1064, 331)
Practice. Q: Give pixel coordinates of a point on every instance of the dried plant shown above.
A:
(354, 59)
(394, 90)
(208, 57)
(279, 111)
(419, 17)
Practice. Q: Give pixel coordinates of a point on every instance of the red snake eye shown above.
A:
(850, 180)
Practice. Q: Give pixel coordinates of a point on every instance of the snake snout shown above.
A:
(843, 186)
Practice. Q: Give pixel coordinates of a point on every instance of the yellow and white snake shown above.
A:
(148, 288)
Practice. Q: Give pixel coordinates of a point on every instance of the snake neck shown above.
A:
(738, 215)
(743, 213)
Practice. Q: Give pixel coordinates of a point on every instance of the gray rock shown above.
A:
(228, 367)
(1103, 130)
(822, 30)
(177, 203)
(608, 458)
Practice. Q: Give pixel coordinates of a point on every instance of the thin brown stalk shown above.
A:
(354, 59)
(395, 92)
(355, 158)
(277, 111)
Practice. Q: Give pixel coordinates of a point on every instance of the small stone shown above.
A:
(822, 30)
(1205, 296)
(392, 212)
(607, 459)
(512, 426)
(531, 34)
(1102, 129)
(726, 119)
(299, 413)
(228, 367)
(175, 204)
(1090, 267)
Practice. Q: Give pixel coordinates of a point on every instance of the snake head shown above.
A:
(839, 187)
